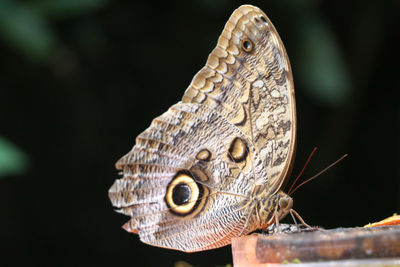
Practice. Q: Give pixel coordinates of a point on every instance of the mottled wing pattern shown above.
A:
(169, 146)
(253, 90)
(196, 177)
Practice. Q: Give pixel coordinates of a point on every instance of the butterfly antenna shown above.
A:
(301, 172)
(318, 174)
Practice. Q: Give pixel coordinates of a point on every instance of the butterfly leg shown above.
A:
(292, 213)
(277, 227)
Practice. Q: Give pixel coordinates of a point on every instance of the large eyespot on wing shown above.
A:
(184, 194)
(172, 177)
(248, 80)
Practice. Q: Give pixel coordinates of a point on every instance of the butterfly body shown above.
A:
(211, 168)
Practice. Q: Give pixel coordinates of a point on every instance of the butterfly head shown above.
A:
(284, 205)
(277, 205)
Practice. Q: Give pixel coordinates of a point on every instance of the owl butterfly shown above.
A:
(212, 167)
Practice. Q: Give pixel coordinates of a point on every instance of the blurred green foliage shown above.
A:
(26, 26)
(12, 159)
(321, 66)
(26, 30)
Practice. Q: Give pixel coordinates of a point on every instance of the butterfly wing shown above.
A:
(248, 80)
(181, 185)
(188, 182)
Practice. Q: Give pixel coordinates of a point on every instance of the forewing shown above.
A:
(252, 89)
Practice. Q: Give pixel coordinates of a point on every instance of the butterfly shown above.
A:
(213, 166)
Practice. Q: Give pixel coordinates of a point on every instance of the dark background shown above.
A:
(80, 79)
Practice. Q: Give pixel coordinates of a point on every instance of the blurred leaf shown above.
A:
(12, 160)
(67, 8)
(25, 30)
(321, 67)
